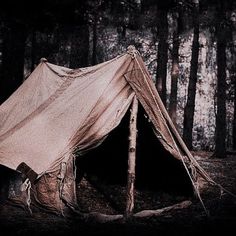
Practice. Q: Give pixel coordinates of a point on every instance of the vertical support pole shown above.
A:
(131, 158)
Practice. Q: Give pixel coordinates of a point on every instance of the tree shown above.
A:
(234, 119)
(79, 46)
(175, 67)
(96, 11)
(33, 46)
(221, 29)
(95, 39)
(162, 51)
(190, 105)
(233, 72)
(80, 37)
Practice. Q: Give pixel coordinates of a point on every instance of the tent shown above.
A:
(59, 111)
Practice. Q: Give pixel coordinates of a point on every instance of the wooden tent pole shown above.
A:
(131, 158)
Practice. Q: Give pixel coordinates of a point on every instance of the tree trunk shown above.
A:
(162, 53)
(79, 51)
(95, 39)
(234, 120)
(132, 157)
(233, 79)
(175, 69)
(190, 105)
(220, 150)
(33, 48)
(12, 70)
(79, 47)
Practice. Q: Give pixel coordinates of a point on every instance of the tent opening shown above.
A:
(156, 169)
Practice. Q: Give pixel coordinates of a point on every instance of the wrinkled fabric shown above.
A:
(142, 84)
(56, 191)
(57, 109)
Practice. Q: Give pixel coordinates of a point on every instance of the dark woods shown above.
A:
(188, 46)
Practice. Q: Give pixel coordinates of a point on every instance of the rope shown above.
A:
(26, 186)
(61, 178)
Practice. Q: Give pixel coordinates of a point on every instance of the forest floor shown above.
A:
(189, 221)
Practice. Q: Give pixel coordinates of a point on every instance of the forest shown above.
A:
(188, 46)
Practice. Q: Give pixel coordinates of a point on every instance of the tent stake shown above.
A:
(131, 158)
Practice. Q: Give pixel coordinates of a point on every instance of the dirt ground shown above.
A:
(190, 221)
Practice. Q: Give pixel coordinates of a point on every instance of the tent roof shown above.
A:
(58, 109)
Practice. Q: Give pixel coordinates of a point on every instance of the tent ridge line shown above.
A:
(70, 74)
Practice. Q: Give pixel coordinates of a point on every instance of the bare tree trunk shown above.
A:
(162, 53)
(190, 105)
(12, 71)
(132, 157)
(175, 69)
(220, 150)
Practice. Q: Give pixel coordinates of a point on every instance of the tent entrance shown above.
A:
(156, 170)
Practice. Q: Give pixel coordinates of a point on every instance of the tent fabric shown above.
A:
(56, 191)
(152, 106)
(58, 110)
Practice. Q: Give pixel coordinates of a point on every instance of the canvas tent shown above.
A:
(59, 110)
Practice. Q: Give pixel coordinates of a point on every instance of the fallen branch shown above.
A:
(158, 212)
(100, 217)
(104, 218)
